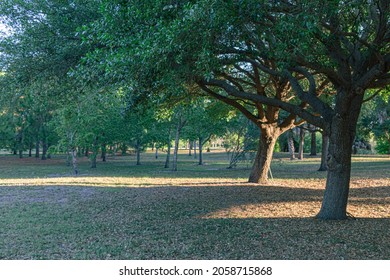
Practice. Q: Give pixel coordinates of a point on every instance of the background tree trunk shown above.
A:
(44, 148)
(324, 152)
(74, 161)
(95, 151)
(104, 153)
(190, 148)
(167, 160)
(301, 142)
(290, 142)
(200, 151)
(138, 151)
(37, 147)
(176, 148)
(313, 143)
(194, 146)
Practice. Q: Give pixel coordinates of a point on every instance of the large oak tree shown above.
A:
(232, 49)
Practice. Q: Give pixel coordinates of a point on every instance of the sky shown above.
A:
(3, 28)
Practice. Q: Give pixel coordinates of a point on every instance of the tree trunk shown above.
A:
(74, 161)
(200, 151)
(20, 153)
(291, 148)
(176, 148)
(190, 148)
(194, 146)
(123, 149)
(334, 204)
(37, 148)
(324, 152)
(156, 153)
(262, 163)
(44, 149)
(104, 153)
(167, 160)
(68, 157)
(301, 142)
(313, 144)
(138, 151)
(342, 134)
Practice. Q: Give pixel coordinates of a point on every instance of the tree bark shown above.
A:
(44, 148)
(37, 148)
(290, 142)
(200, 151)
(68, 157)
(168, 158)
(342, 134)
(194, 146)
(301, 142)
(74, 161)
(176, 148)
(262, 163)
(95, 151)
(190, 148)
(30, 151)
(104, 153)
(313, 144)
(138, 151)
(324, 152)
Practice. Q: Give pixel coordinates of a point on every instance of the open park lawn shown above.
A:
(124, 211)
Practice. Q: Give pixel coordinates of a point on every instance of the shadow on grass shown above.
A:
(186, 222)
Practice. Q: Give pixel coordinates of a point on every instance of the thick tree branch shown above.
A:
(310, 97)
(291, 108)
(231, 102)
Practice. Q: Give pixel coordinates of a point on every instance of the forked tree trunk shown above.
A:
(262, 163)
(324, 152)
(342, 133)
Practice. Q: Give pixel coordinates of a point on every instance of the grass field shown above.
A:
(124, 211)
